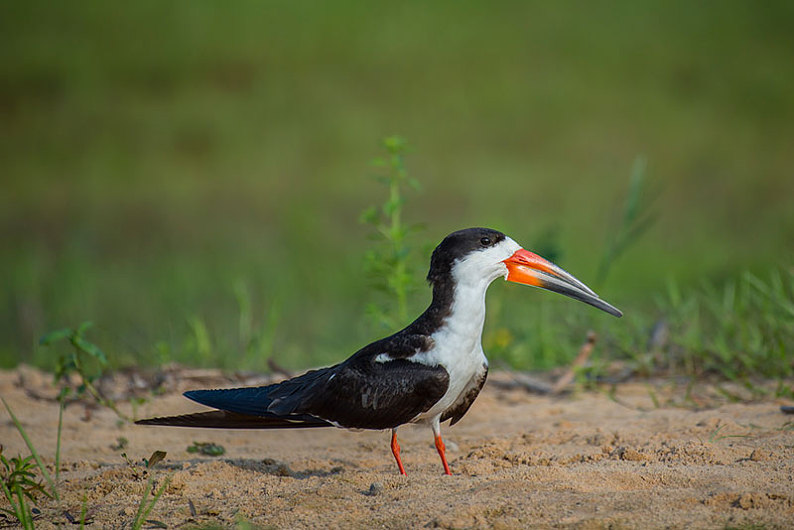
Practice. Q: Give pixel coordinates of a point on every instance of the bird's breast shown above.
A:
(461, 355)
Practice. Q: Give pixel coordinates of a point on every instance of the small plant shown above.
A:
(121, 444)
(206, 448)
(17, 478)
(19, 484)
(142, 468)
(636, 220)
(33, 453)
(715, 435)
(154, 459)
(84, 517)
(146, 506)
(389, 263)
(75, 362)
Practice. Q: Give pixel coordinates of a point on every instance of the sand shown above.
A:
(637, 455)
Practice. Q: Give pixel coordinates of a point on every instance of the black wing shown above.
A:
(362, 393)
(357, 394)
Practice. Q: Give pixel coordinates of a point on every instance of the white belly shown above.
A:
(462, 357)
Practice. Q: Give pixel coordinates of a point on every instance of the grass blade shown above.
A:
(23, 514)
(145, 509)
(58, 442)
(10, 497)
(137, 523)
(33, 451)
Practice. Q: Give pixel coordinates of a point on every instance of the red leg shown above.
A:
(395, 449)
(442, 453)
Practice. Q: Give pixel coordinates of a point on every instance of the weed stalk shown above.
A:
(389, 263)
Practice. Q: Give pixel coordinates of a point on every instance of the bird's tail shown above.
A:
(238, 408)
(222, 419)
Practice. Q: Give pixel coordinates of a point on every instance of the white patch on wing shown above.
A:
(366, 402)
(383, 358)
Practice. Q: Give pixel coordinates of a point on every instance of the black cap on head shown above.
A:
(457, 245)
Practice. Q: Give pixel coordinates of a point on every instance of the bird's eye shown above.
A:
(485, 241)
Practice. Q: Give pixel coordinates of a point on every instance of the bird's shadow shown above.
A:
(271, 466)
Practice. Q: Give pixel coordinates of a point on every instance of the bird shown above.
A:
(428, 373)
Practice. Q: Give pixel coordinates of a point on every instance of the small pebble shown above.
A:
(376, 488)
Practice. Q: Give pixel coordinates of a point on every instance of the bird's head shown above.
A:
(480, 255)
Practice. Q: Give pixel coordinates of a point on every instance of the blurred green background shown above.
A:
(189, 175)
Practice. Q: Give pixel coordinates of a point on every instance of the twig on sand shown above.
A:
(584, 354)
(526, 382)
(536, 386)
(277, 368)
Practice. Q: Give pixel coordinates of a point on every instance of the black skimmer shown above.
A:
(429, 372)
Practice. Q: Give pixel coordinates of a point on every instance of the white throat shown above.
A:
(458, 343)
(472, 276)
(467, 314)
(461, 334)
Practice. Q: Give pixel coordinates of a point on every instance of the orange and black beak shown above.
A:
(530, 269)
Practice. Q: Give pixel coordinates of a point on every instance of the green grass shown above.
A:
(34, 454)
(18, 480)
(146, 505)
(19, 485)
(739, 330)
(189, 176)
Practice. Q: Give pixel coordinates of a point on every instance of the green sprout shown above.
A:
(75, 362)
(389, 262)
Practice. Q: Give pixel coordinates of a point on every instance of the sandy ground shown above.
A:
(635, 458)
